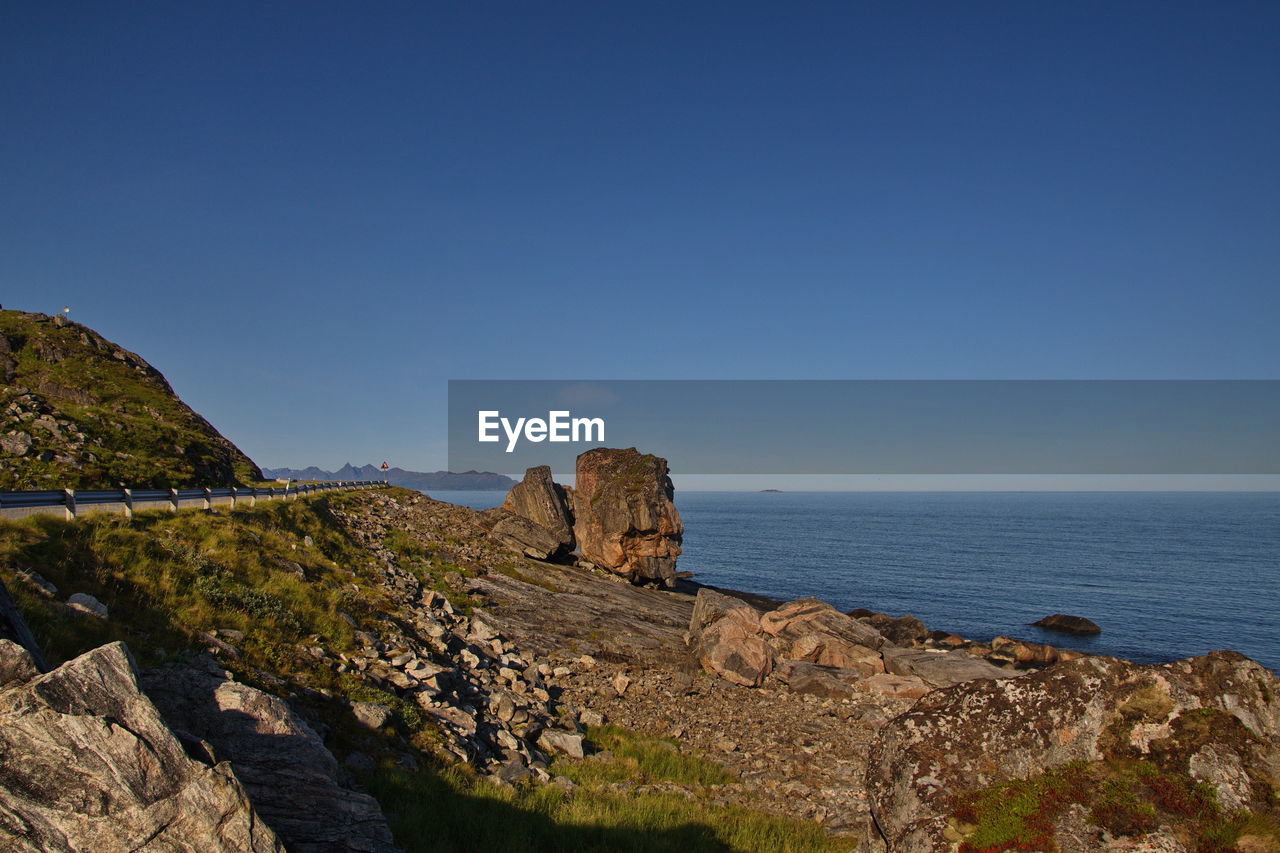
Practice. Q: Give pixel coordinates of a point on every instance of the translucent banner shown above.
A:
(873, 427)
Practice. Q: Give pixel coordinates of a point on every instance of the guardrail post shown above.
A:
(208, 498)
(234, 493)
(253, 496)
(173, 500)
(127, 494)
(69, 498)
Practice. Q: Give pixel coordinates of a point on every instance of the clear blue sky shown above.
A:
(311, 215)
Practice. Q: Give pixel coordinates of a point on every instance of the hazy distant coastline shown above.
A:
(442, 481)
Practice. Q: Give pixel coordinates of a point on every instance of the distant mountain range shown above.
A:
(439, 481)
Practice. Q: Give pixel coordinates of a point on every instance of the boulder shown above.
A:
(544, 502)
(87, 763)
(803, 616)
(1214, 720)
(901, 630)
(293, 781)
(810, 629)
(725, 633)
(522, 535)
(86, 603)
(1077, 625)
(560, 742)
(940, 669)
(624, 517)
(1025, 654)
(826, 681)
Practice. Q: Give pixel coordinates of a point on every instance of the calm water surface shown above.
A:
(1166, 574)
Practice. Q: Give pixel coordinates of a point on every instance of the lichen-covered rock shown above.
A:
(87, 763)
(292, 779)
(544, 502)
(1214, 719)
(624, 517)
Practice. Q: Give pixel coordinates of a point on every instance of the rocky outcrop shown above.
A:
(79, 411)
(522, 535)
(292, 780)
(1065, 624)
(624, 517)
(941, 669)
(1213, 719)
(544, 502)
(87, 763)
(814, 648)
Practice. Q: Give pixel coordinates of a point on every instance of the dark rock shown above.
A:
(901, 630)
(292, 779)
(1214, 718)
(624, 517)
(87, 763)
(1068, 624)
(544, 502)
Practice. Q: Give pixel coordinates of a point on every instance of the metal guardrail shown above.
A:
(75, 502)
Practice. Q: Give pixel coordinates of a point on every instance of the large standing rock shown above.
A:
(292, 779)
(624, 518)
(1214, 719)
(544, 502)
(86, 763)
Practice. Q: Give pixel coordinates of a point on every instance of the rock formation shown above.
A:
(814, 648)
(1068, 624)
(624, 517)
(101, 771)
(1213, 719)
(291, 778)
(544, 502)
(521, 535)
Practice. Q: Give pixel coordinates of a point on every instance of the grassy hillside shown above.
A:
(79, 411)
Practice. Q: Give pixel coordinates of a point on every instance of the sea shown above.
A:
(1166, 575)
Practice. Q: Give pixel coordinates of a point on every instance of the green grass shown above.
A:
(453, 810)
(165, 576)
